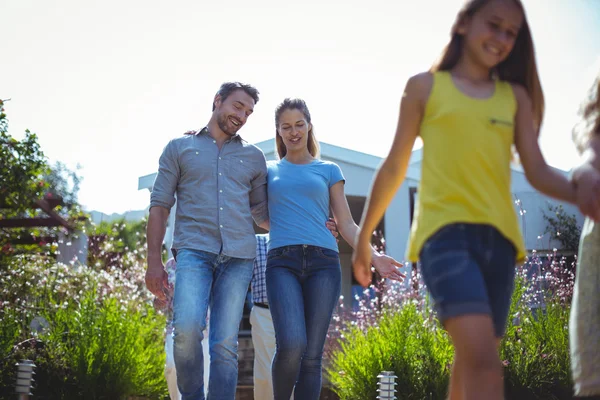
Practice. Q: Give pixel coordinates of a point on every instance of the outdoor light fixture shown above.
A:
(24, 379)
(387, 385)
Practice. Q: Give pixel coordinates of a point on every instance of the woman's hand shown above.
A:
(388, 267)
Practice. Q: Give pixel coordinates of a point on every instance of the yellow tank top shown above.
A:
(465, 174)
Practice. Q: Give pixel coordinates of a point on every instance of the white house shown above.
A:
(358, 169)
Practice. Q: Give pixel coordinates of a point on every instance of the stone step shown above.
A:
(245, 389)
(247, 393)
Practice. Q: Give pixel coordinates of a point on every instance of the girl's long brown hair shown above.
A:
(519, 67)
(296, 104)
(590, 118)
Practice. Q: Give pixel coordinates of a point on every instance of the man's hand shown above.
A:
(588, 191)
(388, 267)
(159, 305)
(156, 279)
(332, 226)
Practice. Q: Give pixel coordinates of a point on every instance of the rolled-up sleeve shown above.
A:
(258, 194)
(165, 184)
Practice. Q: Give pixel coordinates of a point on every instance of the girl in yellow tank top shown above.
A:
(480, 99)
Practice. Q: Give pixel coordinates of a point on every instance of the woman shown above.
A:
(303, 267)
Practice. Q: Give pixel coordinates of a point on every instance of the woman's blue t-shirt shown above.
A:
(299, 202)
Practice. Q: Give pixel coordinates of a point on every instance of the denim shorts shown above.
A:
(470, 269)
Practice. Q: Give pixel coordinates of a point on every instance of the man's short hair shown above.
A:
(229, 87)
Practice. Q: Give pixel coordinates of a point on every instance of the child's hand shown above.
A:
(588, 191)
(361, 263)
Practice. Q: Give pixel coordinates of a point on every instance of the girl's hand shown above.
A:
(588, 191)
(361, 263)
(388, 267)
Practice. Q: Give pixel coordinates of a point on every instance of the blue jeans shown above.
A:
(303, 287)
(202, 280)
(470, 269)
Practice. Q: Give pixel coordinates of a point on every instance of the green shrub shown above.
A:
(405, 339)
(104, 340)
(96, 350)
(535, 349)
(406, 342)
(111, 352)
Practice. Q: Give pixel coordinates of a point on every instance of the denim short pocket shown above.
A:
(451, 236)
(328, 253)
(438, 266)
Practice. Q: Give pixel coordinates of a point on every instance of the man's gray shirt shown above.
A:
(219, 192)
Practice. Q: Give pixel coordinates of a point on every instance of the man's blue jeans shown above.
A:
(208, 280)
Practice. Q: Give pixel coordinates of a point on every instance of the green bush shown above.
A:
(535, 349)
(104, 340)
(407, 342)
(95, 350)
(404, 338)
(111, 352)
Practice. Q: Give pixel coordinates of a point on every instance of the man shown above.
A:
(263, 333)
(167, 308)
(220, 183)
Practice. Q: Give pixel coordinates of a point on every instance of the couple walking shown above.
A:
(222, 184)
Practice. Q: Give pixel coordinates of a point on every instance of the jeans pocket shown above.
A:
(328, 254)
(278, 252)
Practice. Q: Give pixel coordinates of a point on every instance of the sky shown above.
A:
(106, 84)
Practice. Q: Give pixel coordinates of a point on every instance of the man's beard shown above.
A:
(224, 123)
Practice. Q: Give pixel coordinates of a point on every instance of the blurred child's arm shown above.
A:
(591, 157)
(385, 265)
(587, 180)
(392, 171)
(538, 173)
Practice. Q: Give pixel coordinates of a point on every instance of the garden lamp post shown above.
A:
(24, 379)
(387, 385)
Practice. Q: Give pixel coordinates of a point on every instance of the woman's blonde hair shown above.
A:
(519, 67)
(590, 117)
(300, 105)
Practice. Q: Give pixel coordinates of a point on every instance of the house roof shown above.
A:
(146, 181)
(345, 155)
(333, 152)
(348, 156)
